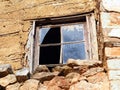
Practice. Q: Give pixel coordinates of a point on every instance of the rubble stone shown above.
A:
(30, 84)
(114, 74)
(9, 79)
(84, 85)
(41, 68)
(99, 77)
(42, 87)
(111, 5)
(113, 64)
(78, 62)
(59, 81)
(43, 76)
(93, 71)
(13, 86)
(73, 77)
(22, 74)
(112, 51)
(63, 70)
(115, 85)
(5, 69)
(80, 69)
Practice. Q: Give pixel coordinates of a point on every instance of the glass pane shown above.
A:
(75, 51)
(50, 35)
(73, 33)
(43, 32)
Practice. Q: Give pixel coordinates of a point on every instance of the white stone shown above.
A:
(114, 74)
(5, 69)
(111, 5)
(105, 19)
(115, 85)
(110, 20)
(22, 72)
(113, 64)
(83, 62)
(114, 33)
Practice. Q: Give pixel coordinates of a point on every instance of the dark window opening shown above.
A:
(50, 54)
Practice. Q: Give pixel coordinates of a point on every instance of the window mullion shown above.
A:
(61, 50)
(63, 43)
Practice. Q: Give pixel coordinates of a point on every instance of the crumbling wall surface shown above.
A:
(14, 30)
(75, 75)
(110, 19)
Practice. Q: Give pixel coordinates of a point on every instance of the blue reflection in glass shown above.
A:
(72, 33)
(43, 32)
(75, 51)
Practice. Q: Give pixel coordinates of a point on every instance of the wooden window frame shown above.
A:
(90, 28)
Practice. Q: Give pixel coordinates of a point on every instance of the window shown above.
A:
(58, 39)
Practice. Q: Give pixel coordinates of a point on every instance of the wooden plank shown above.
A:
(93, 37)
(89, 37)
(31, 54)
(36, 49)
(61, 49)
(56, 44)
(54, 65)
(86, 41)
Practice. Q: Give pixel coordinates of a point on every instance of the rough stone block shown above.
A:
(13, 86)
(9, 79)
(110, 20)
(111, 5)
(22, 74)
(113, 64)
(59, 81)
(5, 69)
(112, 51)
(93, 71)
(114, 74)
(30, 84)
(41, 68)
(114, 33)
(84, 85)
(73, 62)
(111, 34)
(43, 76)
(73, 77)
(63, 70)
(115, 85)
(99, 77)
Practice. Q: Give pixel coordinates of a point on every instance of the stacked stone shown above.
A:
(110, 19)
(75, 75)
(10, 80)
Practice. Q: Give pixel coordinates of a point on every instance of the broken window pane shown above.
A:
(75, 51)
(43, 32)
(73, 33)
(50, 35)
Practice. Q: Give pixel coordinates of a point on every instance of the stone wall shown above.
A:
(14, 30)
(75, 75)
(110, 19)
